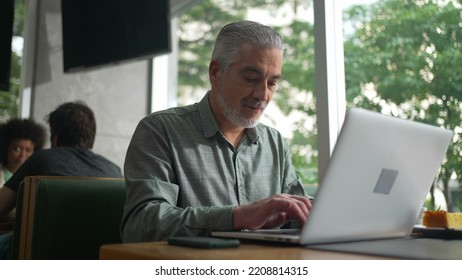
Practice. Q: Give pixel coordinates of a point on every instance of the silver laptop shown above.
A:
(375, 185)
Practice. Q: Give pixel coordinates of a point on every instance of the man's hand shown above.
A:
(272, 212)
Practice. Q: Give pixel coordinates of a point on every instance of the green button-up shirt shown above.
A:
(184, 178)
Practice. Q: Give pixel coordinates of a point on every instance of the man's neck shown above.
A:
(233, 136)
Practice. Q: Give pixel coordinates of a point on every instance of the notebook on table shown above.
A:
(375, 185)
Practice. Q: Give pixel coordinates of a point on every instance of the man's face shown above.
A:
(247, 86)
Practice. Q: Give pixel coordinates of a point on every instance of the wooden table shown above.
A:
(246, 251)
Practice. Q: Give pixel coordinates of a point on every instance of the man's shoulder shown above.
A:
(102, 158)
(110, 168)
(43, 154)
(55, 151)
(175, 111)
(82, 157)
(268, 134)
(263, 129)
(65, 153)
(172, 118)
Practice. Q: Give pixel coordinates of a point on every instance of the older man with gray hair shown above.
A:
(211, 165)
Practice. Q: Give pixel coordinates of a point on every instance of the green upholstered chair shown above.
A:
(67, 217)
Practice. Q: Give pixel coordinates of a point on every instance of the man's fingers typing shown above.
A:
(272, 212)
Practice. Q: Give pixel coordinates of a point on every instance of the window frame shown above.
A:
(330, 78)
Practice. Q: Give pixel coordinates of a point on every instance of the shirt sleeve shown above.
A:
(151, 211)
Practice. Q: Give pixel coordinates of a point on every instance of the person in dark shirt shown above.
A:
(73, 130)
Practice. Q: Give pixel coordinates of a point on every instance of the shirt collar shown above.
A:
(210, 125)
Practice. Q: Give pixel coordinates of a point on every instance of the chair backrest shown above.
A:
(67, 217)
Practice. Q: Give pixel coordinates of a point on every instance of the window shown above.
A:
(402, 58)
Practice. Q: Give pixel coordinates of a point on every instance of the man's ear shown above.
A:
(214, 71)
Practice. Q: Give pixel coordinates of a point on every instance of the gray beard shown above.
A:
(233, 115)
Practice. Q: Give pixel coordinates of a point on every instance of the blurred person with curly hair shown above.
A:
(19, 138)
